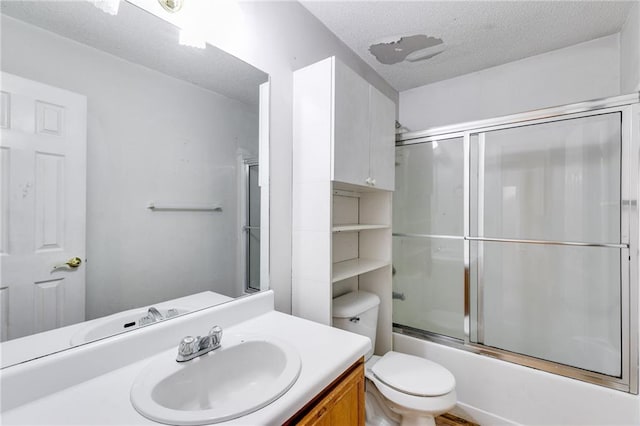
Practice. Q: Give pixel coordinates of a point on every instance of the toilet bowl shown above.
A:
(401, 388)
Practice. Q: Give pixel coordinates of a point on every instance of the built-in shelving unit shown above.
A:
(354, 267)
(343, 175)
(361, 248)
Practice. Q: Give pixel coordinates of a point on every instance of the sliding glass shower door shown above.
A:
(545, 241)
(428, 261)
(517, 238)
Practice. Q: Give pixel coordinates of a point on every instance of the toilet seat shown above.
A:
(412, 375)
(433, 404)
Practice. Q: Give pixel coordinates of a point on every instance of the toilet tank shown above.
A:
(357, 312)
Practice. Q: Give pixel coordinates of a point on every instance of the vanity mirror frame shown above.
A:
(263, 155)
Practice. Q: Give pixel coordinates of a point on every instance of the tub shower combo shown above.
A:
(517, 237)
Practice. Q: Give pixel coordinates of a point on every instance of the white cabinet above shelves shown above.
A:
(346, 123)
(355, 267)
(364, 122)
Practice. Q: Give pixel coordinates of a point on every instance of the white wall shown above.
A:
(581, 72)
(630, 52)
(280, 37)
(150, 137)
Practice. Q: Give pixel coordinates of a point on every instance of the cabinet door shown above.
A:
(382, 140)
(342, 406)
(351, 127)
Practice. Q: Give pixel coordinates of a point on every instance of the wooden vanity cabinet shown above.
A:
(339, 404)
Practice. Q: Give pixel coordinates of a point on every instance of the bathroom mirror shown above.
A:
(129, 174)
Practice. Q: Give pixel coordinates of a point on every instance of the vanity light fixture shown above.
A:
(171, 6)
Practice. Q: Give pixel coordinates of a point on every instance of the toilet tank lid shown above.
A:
(355, 303)
(413, 375)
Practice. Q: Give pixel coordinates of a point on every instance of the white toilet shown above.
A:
(401, 388)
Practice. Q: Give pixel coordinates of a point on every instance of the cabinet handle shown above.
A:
(373, 182)
(368, 181)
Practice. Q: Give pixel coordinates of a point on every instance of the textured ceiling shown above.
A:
(476, 34)
(137, 36)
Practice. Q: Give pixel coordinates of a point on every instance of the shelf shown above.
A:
(356, 189)
(355, 227)
(354, 267)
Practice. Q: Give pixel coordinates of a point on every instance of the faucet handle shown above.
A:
(215, 334)
(187, 346)
(145, 320)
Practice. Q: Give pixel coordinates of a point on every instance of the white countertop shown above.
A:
(325, 353)
(36, 345)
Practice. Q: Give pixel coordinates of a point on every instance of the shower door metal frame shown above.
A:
(629, 109)
(247, 227)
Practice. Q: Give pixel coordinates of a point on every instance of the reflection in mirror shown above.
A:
(128, 175)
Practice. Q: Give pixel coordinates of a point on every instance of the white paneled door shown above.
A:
(42, 207)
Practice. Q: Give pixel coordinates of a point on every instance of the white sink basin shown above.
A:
(116, 323)
(244, 375)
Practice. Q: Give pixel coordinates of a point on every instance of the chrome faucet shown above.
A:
(153, 315)
(192, 347)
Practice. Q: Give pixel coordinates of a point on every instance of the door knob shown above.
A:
(74, 262)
